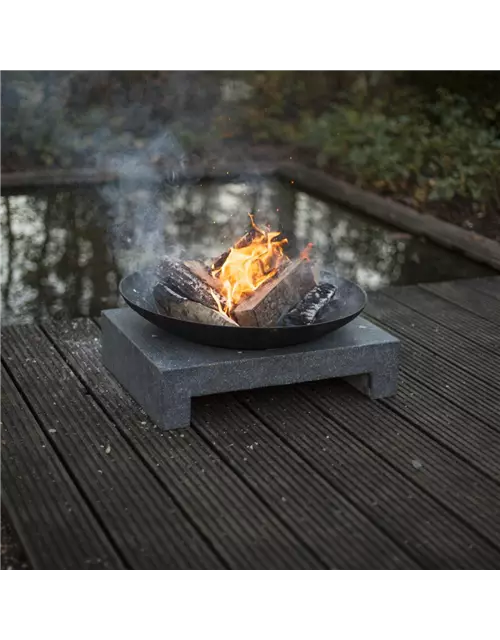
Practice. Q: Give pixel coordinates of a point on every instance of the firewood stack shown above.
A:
(289, 297)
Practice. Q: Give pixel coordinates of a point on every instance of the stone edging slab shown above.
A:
(22, 181)
(471, 244)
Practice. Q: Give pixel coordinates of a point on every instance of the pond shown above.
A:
(64, 252)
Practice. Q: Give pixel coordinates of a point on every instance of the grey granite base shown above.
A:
(163, 372)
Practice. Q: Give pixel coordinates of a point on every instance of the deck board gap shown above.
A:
(226, 459)
(268, 424)
(131, 443)
(398, 471)
(65, 465)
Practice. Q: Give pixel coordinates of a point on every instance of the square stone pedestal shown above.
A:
(163, 372)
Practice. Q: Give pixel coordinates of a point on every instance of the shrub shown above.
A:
(435, 151)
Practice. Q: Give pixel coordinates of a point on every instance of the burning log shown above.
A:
(177, 306)
(218, 262)
(203, 273)
(275, 297)
(244, 241)
(182, 280)
(311, 305)
(253, 283)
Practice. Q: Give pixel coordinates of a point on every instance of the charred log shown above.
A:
(180, 279)
(203, 273)
(219, 261)
(276, 297)
(173, 305)
(311, 305)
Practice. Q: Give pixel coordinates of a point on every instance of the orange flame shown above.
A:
(252, 261)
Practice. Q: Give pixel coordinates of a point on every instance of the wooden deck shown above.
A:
(313, 476)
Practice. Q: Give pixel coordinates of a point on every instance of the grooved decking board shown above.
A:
(326, 521)
(489, 286)
(450, 425)
(246, 533)
(467, 493)
(36, 488)
(432, 535)
(476, 302)
(445, 379)
(145, 525)
(472, 328)
(443, 342)
(411, 481)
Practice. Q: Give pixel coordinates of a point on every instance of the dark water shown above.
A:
(64, 252)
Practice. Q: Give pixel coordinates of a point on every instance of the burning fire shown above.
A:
(253, 260)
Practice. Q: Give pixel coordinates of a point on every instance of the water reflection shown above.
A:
(64, 252)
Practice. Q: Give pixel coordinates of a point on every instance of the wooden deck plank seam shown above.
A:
(470, 333)
(288, 476)
(487, 286)
(249, 483)
(426, 436)
(396, 469)
(439, 464)
(453, 291)
(183, 544)
(418, 350)
(254, 490)
(409, 477)
(67, 468)
(317, 469)
(439, 340)
(431, 392)
(448, 343)
(304, 441)
(289, 530)
(130, 442)
(465, 440)
(442, 444)
(490, 294)
(435, 397)
(243, 479)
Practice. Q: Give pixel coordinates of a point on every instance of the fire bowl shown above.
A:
(349, 302)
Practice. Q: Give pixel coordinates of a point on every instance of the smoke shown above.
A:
(137, 211)
(151, 168)
(145, 132)
(147, 127)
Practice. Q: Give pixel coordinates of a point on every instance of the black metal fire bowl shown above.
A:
(349, 302)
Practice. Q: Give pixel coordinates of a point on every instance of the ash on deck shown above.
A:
(304, 476)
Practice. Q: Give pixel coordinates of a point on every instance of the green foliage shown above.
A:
(278, 100)
(397, 141)
(434, 154)
(392, 132)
